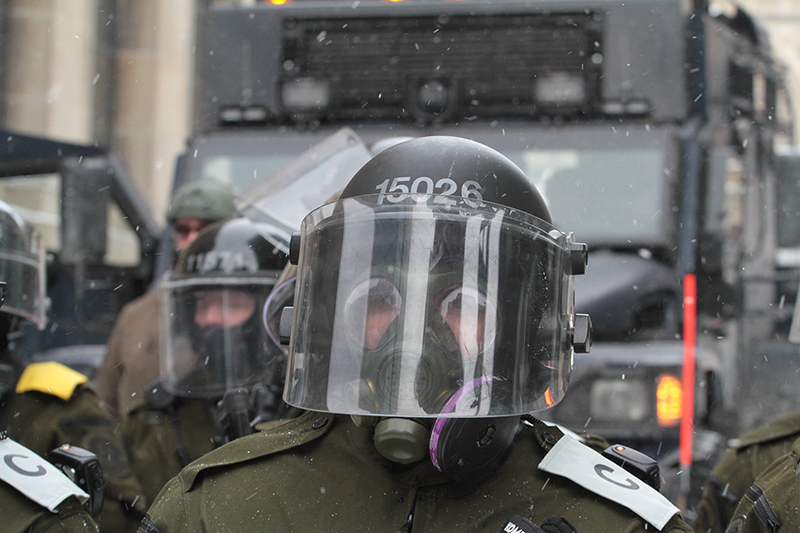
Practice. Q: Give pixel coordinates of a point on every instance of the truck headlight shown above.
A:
(433, 95)
(669, 397)
(617, 400)
(558, 89)
(305, 94)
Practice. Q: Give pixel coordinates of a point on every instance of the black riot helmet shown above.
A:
(211, 305)
(448, 167)
(22, 268)
(435, 286)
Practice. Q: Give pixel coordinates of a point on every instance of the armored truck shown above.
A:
(652, 127)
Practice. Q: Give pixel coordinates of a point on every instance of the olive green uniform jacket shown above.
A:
(323, 473)
(42, 421)
(133, 358)
(21, 515)
(772, 502)
(160, 442)
(737, 470)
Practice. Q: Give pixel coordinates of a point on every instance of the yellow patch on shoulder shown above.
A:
(50, 378)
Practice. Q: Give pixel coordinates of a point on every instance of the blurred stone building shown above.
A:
(113, 72)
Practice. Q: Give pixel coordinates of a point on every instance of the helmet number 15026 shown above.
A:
(422, 188)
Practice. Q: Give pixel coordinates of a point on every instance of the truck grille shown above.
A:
(488, 63)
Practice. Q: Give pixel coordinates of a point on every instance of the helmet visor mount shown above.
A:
(212, 338)
(428, 307)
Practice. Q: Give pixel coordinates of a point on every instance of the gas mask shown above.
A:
(216, 348)
(437, 375)
(468, 450)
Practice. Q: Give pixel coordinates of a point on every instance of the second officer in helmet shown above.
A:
(35, 496)
(134, 346)
(220, 373)
(433, 312)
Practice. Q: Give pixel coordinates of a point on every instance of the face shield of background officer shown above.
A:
(22, 267)
(214, 344)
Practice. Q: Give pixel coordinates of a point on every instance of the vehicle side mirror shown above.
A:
(85, 195)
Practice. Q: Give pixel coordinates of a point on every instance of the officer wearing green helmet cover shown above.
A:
(132, 360)
(197, 205)
(433, 312)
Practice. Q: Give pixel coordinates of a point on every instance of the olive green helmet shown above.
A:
(204, 199)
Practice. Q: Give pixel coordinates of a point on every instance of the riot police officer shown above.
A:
(34, 495)
(737, 470)
(221, 375)
(772, 502)
(53, 404)
(433, 311)
(133, 348)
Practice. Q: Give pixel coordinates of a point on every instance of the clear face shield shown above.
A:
(456, 308)
(304, 184)
(212, 337)
(24, 270)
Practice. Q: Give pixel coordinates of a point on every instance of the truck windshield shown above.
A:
(611, 186)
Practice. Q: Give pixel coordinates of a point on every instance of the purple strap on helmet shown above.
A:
(449, 407)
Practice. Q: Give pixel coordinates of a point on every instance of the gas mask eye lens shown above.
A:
(471, 317)
(370, 309)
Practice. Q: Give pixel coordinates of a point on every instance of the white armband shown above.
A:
(34, 477)
(579, 463)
